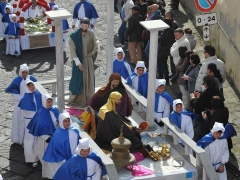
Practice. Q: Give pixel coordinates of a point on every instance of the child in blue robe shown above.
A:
(139, 79)
(85, 164)
(42, 126)
(6, 17)
(216, 146)
(182, 118)
(17, 90)
(3, 4)
(61, 147)
(51, 4)
(30, 104)
(12, 33)
(163, 101)
(120, 65)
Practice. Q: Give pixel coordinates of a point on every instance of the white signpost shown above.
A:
(205, 20)
(205, 33)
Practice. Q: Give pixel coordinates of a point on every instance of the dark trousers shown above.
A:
(175, 4)
(172, 66)
(163, 70)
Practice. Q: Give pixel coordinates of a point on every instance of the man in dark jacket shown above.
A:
(134, 35)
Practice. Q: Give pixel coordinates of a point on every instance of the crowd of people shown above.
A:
(48, 135)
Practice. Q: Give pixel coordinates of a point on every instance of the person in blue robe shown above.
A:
(216, 146)
(61, 147)
(120, 65)
(12, 33)
(6, 18)
(17, 90)
(84, 165)
(51, 4)
(43, 125)
(163, 101)
(30, 104)
(84, 9)
(3, 4)
(182, 118)
(139, 79)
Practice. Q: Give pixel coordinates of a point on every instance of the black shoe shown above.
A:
(171, 76)
(174, 79)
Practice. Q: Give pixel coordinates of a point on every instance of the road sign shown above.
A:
(205, 6)
(205, 33)
(206, 19)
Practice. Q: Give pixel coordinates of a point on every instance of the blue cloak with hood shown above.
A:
(90, 11)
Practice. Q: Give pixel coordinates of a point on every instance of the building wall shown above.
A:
(225, 36)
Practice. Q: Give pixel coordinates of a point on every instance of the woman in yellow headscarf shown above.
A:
(109, 125)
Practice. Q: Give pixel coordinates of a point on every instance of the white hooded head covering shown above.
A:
(45, 97)
(160, 82)
(63, 116)
(12, 16)
(83, 144)
(119, 50)
(9, 7)
(55, 6)
(217, 127)
(23, 67)
(140, 64)
(26, 88)
(177, 101)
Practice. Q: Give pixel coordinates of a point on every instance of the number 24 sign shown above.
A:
(203, 19)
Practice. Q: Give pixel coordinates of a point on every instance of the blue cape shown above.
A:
(14, 87)
(142, 83)
(65, 25)
(6, 19)
(27, 102)
(119, 67)
(176, 118)
(51, 5)
(90, 11)
(2, 7)
(10, 29)
(164, 95)
(76, 81)
(208, 139)
(41, 123)
(59, 147)
(76, 168)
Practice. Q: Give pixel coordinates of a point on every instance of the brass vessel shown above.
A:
(120, 153)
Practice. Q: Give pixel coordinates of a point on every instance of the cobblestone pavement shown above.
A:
(42, 65)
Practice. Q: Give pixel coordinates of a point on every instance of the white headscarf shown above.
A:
(45, 97)
(63, 116)
(83, 144)
(177, 101)
(23, 67)
(27, 81)
(9, 7)
(140, 64)
(160, 82)
(12, 16)
(119, 50)
(217, 127)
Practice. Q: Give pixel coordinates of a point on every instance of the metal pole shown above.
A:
(152, 80)
(110, 34)
(59, 64)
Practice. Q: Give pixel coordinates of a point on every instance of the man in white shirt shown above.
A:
(209, 52)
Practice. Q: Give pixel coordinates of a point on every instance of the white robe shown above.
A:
(218, 153)
(2, 27)
(164, 107)
(12, 45)
(50, 169)
(30, 142)
(32, 12)
(42, 146)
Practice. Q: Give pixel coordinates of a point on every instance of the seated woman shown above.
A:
(109, 125)
(101, 96)
(61, 146)
(202, 102)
